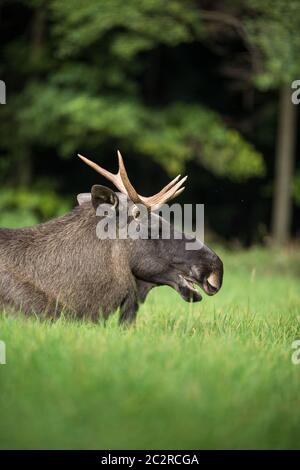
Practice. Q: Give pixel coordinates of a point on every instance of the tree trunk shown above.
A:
(285, 150)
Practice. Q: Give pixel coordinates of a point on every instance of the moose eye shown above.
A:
(136, 212)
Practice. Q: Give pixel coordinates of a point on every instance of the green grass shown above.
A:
(217, 374)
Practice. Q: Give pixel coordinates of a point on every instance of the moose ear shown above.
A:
(103, 195)
(84, 197)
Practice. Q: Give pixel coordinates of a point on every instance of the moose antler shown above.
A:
(122, 182)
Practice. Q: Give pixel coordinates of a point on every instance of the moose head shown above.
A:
(155, 260)
(69, 265)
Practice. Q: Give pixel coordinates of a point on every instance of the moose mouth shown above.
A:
(187, 287)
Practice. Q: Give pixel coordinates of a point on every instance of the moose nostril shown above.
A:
(213, 280)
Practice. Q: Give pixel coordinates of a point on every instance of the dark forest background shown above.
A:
(179, 86)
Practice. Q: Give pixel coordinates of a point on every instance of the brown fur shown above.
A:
(52, 267)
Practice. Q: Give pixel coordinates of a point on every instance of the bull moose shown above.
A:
(63, 266)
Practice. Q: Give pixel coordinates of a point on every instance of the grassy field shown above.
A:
(217, 374)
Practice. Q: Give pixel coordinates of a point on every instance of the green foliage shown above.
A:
(84, 89)
(274, 30)
(132, 26)
(171, 136)
(23, 207)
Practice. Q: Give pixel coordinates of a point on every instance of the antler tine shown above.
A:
(133, 195)
(159, 204)
(114, 178)
(163, 191)
(159, 199)
(177, 193)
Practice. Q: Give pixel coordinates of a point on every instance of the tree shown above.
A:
(86, 87)
(282, 206)
(89, 76)
(270, 32)
(276, 34)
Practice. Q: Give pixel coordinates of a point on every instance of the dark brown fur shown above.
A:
(52, 266)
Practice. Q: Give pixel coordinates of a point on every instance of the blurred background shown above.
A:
(179, 86)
